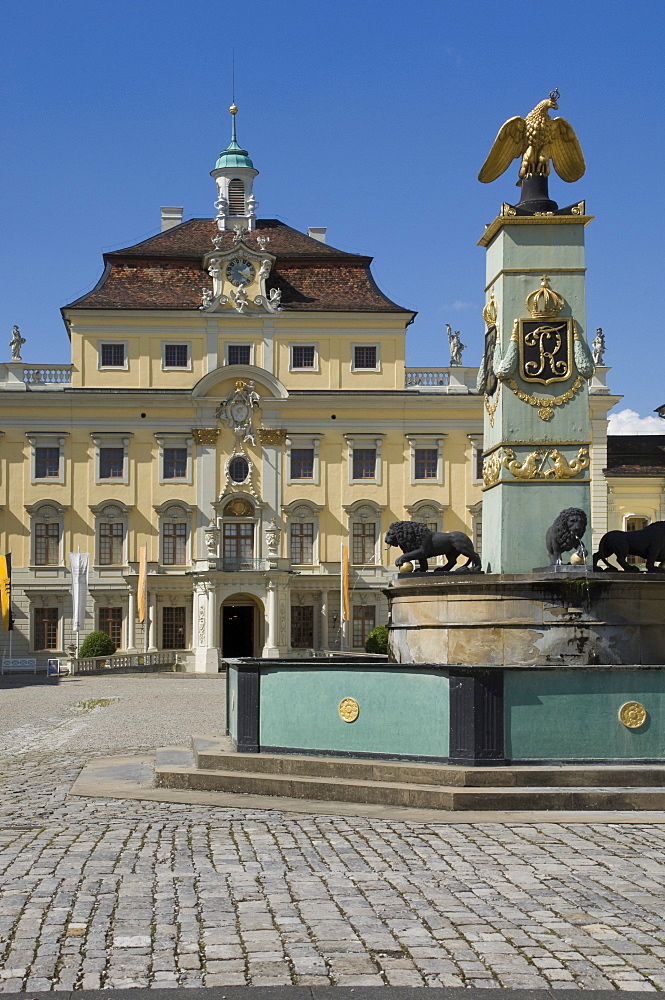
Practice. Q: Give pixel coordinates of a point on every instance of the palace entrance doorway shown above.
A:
(241, 627)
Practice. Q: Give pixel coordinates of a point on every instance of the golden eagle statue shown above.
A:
(537, 139)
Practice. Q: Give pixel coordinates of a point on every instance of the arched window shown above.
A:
(46, 547)
(236, 197)
(174, 534)
(111, 534)
(238, 528)
(302, 518)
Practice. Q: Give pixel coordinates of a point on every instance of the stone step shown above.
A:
(409, 794)
(216, 753)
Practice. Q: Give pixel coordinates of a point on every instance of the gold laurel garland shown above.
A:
(546, 412)
(491, 409)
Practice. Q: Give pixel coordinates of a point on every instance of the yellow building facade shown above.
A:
(237, 403)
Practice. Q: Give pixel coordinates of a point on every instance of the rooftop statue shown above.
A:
(537, 139)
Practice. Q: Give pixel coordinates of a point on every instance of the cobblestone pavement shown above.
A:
(108, 893)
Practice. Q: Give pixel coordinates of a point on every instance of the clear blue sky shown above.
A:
(369, 118)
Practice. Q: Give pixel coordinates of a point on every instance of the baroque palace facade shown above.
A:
(238, 402)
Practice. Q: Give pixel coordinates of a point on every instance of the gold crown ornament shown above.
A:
(490, 311)
(545, 303)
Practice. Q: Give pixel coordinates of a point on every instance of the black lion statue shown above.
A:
(419, 544)
(647, 542)
(566, 534)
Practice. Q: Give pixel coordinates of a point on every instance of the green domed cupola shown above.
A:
(234, 174)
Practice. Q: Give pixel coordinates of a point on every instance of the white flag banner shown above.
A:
(78, 563)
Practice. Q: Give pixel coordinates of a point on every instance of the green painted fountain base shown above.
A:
(457, 715)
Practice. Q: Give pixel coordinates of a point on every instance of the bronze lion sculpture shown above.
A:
(566, 534)
(649, 543)
(418, 544)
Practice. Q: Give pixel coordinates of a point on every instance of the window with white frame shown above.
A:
(365, 357)
(176, 355)
(111, 458)
(174, 533)
(364, 533)
(109, 620)
(364, 458)
(476, 512)
(426, 459)
(302, 626)
(111, 531)
(45, 629)
(302, 458)
(112, 354)
(239, 523)
(46, 532)
(174, 627)
(476, 457)
(304, 357)
(47, 460)
(239, 354)
(364, 620)
(302, 522)
(175, 457)
(635, 523)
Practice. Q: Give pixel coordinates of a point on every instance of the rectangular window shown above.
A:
(176, 355)
(238, 546)
(111, 463)
(113, 356)
(479, 462)
(302, 627)
(364, 357)
(173, 628)
(239, 354)
(426, 463)
(364, 463)
(302, 543)
(302, 356)
(302, 463)
(46, 628)
(111, 537)
(363, 623)
(175, 463)
(47, 544)
(364, 543)
(110, 621)
(47, 463)
(175, 544)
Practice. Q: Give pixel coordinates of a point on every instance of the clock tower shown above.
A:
(234, 175)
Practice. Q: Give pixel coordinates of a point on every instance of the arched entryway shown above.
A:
(241, 626)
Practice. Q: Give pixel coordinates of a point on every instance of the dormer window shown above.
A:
(236, 197)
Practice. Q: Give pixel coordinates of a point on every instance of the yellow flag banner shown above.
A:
(345, 583)
(6, 592)
(143, 582)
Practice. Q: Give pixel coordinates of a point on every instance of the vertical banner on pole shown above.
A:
(78, 564)
(142, 588)
(6, 592)
(345, 583)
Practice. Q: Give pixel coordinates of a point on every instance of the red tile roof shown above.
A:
(166, 272)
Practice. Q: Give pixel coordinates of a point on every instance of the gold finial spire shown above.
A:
(234, 109)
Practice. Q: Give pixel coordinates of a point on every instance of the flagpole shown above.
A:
(78, 552)
(10, 619)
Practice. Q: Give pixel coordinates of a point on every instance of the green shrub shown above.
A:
(97, 644)
(377, 640)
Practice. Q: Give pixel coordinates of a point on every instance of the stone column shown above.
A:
(206, 654)
(323, 621)
(152, 615)
(131, 623)
(271, 644)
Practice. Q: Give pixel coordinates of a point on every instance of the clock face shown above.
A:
(240, 271)
(239, 412)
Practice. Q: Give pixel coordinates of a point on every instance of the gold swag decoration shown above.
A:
(546, 403)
